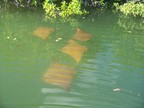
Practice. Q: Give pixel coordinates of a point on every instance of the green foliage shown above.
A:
(130, 23)
(34, 2)
(50, 9)
(110, 2)
(65, 10)
(131, 8)
(73, 8)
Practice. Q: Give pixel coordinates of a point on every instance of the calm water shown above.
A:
(110, 73)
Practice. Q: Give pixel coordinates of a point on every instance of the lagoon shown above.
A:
(107, 69)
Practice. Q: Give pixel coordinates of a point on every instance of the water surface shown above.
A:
(110, 73)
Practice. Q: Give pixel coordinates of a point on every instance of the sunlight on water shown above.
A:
(98, 64)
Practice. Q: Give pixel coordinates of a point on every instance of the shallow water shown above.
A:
(110, 73)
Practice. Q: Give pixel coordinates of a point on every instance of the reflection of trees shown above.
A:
(129, 45)
(130, 23)
(128, 48)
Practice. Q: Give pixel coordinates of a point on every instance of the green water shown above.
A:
(114, 59)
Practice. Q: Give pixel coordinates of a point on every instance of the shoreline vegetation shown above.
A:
(130, 12)
(70, 8)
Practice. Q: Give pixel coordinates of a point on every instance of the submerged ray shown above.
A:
(82, 35)
(43, 32)
(74, 49)
(60, 75)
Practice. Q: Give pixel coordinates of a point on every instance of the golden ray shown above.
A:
(43, 32)
(82, 35)
(74, 49)
(60, 75)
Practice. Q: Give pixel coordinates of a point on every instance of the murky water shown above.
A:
(107, 69)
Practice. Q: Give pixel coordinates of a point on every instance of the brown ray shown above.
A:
(82, 35)
(60, 75)
(43, 32)
(74, 49)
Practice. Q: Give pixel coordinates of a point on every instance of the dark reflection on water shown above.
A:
(109, 74)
